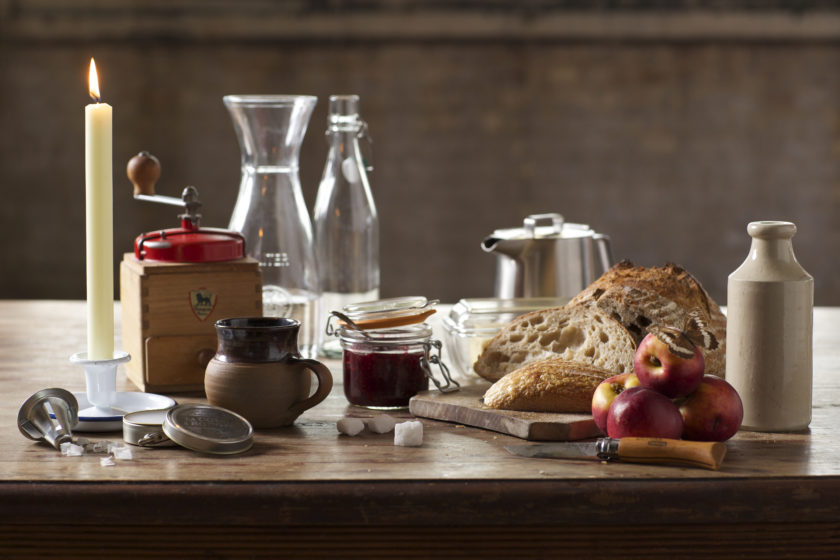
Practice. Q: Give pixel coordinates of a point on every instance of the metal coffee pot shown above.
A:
(547, 257)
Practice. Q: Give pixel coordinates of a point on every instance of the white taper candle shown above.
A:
(99, 225)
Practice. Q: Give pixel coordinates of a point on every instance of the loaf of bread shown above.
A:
(552, 385)
(639, 297)
(579, 334)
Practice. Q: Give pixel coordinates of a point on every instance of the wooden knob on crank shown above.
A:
(143, 170)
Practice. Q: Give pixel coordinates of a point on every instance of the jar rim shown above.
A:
(416, 333)
(256, 323)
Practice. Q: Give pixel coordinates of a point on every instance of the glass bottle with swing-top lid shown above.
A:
(344, 216)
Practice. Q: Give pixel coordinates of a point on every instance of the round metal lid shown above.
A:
(208, 429)
(194, 246)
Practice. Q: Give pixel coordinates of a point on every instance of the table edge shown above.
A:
(427, 502)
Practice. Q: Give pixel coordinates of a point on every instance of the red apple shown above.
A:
(713, 412)
(661, 370)
(606, 392)
(643, 412)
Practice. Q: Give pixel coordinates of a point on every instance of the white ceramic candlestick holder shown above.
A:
(101, 381)
(101, 406)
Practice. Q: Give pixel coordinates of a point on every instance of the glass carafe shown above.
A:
(270, 211)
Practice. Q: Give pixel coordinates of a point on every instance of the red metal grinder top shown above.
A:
(189, 243)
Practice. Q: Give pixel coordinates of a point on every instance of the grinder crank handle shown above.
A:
(705, 454)
(143, 171)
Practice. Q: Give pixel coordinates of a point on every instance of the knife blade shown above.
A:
(702, 454)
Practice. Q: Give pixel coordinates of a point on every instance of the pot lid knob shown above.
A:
(551, 220)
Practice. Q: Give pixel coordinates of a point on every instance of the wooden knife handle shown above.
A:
(704, 454)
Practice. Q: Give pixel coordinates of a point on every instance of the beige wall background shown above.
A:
(667, 128)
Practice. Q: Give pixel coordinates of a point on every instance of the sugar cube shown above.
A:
(381, 424)
(409, 434)
(123, 452)
(106, 461)
(71, 449)
(350, 426)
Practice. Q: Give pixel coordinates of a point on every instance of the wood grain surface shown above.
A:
(460, 480)
(465, 407)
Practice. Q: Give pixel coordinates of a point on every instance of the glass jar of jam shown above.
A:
(387, 350)
(385, 368)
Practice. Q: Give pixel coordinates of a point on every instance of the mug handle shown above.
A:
(325, 383)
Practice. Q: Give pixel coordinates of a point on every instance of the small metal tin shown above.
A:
(145, 428)
(208, 429)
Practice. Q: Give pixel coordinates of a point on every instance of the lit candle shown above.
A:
(99, 225)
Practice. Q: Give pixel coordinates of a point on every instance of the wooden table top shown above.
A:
(309, 473)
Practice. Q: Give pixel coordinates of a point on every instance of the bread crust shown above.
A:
(551, 385)
(639, 297)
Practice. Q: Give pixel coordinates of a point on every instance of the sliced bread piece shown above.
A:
(581, 334)
(552, 385)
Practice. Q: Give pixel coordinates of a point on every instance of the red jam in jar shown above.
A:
(384, 368)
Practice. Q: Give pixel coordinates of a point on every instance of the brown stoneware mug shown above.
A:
(258, 372)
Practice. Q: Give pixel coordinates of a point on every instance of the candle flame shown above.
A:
(93, 81)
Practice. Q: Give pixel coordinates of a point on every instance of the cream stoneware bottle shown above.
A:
(769, 332)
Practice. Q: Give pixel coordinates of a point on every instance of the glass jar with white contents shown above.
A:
(388, 351)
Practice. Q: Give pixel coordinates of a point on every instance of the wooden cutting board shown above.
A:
(465, 407)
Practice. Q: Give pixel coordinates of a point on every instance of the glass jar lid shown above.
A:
(386, 313)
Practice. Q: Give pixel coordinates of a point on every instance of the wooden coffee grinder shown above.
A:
(175, 285)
